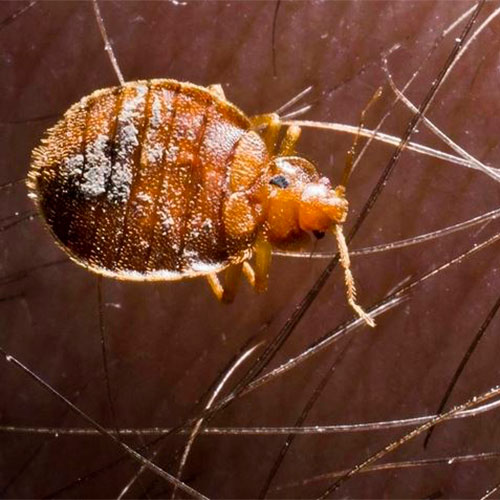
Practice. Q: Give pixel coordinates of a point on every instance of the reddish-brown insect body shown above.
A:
(133, 179)
(162, 180)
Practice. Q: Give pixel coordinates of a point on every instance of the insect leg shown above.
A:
(232, 278)
(217, 90)
(249, 273)
(292, 135)
(271, 124)
(263, 255)
(215, 285)
(258, 275)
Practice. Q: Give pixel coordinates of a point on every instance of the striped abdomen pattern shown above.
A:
(132, 180)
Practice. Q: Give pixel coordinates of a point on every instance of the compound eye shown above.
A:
(280, 181)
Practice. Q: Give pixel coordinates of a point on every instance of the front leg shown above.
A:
(292, 136)
(258, 276)
(271, 124)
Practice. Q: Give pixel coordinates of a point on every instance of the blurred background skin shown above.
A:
(168, 342)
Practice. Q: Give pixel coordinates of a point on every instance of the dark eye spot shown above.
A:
(280, 181)
(319, 234)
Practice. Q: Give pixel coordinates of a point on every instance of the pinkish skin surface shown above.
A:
(167, 342)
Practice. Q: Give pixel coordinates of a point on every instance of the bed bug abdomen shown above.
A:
(133, 180)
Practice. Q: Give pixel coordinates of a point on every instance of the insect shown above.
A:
(163, 180)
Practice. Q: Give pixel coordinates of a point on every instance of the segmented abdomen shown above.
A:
(133, 179)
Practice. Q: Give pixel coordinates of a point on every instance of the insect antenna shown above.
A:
(345, 261)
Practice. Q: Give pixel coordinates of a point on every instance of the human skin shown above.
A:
(166, 343)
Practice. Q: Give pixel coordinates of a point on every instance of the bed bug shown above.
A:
(165, 180)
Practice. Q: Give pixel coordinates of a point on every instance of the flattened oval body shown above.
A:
(133, 181)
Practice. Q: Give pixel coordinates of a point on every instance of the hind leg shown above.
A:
(257, 276)
(232, 278)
